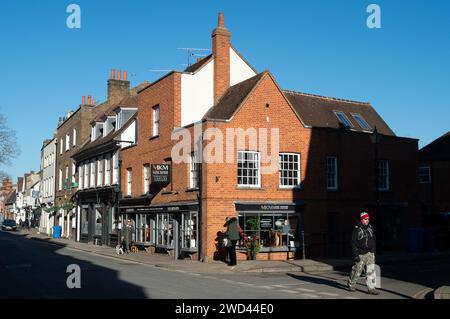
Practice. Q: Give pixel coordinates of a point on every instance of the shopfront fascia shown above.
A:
(278, 226)
(99, 216)
(169, 227)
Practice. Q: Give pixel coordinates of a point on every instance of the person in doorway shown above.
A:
(233, 233)
(364, 247)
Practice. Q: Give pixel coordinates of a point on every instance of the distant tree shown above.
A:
(8, 143)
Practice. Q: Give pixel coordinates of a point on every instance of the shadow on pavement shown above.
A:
(38, 270)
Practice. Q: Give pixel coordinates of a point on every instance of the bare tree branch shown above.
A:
(8, 143)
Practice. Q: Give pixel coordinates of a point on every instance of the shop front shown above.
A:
(99, 216)
(169, 228)
(277, 227)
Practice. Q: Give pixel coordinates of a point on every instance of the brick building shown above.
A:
(72, 133)
(98, 169)
(5, 191)
(434, 176)
(306, 164)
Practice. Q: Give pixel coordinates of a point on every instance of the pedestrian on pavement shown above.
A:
(233, 233)
(127, 233)
(364, 247)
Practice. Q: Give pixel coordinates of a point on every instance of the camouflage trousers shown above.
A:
(366, 261)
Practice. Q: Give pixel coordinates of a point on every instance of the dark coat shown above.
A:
(233, 230)
(363, 240)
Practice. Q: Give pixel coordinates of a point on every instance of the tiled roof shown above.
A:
(196, 66)
(317, 111)
(232, 99)
(439, 149)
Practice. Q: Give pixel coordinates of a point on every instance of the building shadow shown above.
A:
(32, 269)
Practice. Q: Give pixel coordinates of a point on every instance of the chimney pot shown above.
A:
(93, 102)
(118, 75)
(221, 22)
(113, 74)
(83, 100)
(89, 100)
(125, 75)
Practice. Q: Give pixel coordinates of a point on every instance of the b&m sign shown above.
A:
(160, 173)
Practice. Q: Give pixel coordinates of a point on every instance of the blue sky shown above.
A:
(317, 46)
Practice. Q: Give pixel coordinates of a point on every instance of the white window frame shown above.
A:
(73, 173)
(427, 174)
(193, 171)
(257, 168)
(61, 146)
(60, 180)
(155, 117)
(332, 174)
(66, 179)
(383, 172)
(92, 171)
(146, 171)
(100, 172)
(108, 170)
(74, 137)
(361, 121)
(294, 155)
(86, 175)
(345, 119)
(81, 176)
(115, 168)
(129, 181)
(67, 142)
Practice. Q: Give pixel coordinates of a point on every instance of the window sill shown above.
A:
(169, 193)
(294, 188)
(154, 137)
(250, 188)
(190, 190)
(332, 190)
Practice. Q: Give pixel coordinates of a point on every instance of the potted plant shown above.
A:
(253, 247)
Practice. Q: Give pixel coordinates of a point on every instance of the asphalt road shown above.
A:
(34, 269)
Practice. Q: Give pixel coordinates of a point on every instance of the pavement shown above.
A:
(254, 266)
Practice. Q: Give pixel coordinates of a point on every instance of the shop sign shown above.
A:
(160, 173)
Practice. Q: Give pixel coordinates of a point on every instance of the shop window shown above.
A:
(84, 221)
(164, 228)
(98, 222)
(273, 229)
(189, 230)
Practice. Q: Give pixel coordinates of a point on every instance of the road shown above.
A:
(35, 269)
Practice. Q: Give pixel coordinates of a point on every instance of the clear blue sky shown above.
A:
(320, 47)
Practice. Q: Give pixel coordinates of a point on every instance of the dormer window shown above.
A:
(96, 131)
(123, 116)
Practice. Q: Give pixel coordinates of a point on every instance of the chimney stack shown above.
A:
(118, 88)
(221, 53)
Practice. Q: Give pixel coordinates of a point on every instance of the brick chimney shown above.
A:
(221, 52)
(7, 185)
(117, 88)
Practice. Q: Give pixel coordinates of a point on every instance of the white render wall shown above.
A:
(48, 173)
(129, 134)
(197, 89)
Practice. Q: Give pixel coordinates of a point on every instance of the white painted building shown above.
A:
(47, 185)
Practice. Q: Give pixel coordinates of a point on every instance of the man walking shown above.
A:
(364, 247)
